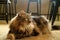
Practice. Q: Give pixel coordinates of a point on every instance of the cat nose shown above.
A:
(20, 31)
(29, 21)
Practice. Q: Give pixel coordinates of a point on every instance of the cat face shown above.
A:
(44, 25)
(24, 20)
(43, 20)
(24, 17)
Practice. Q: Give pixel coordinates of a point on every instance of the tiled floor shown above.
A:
(4, 28)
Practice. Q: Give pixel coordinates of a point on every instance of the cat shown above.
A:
(44, 24)
(22, 25)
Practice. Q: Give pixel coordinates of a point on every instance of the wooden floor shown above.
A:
(4, 28)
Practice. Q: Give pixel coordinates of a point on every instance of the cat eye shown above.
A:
(45, 22)
(26, 19)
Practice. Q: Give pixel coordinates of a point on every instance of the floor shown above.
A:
(4, 28)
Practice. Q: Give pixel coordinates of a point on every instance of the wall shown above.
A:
(22, 4)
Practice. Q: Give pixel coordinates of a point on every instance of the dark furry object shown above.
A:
(22, 25)
(43, 24)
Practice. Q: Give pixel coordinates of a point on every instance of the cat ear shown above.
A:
(22, 11)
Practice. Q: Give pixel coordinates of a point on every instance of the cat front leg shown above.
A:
(11, 36)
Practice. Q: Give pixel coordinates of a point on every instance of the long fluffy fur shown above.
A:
(44, 24)
(23, 25)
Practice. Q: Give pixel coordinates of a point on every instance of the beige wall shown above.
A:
(22, 4)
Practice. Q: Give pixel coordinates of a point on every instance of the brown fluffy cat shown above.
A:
(22, 25)
(44, 24)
